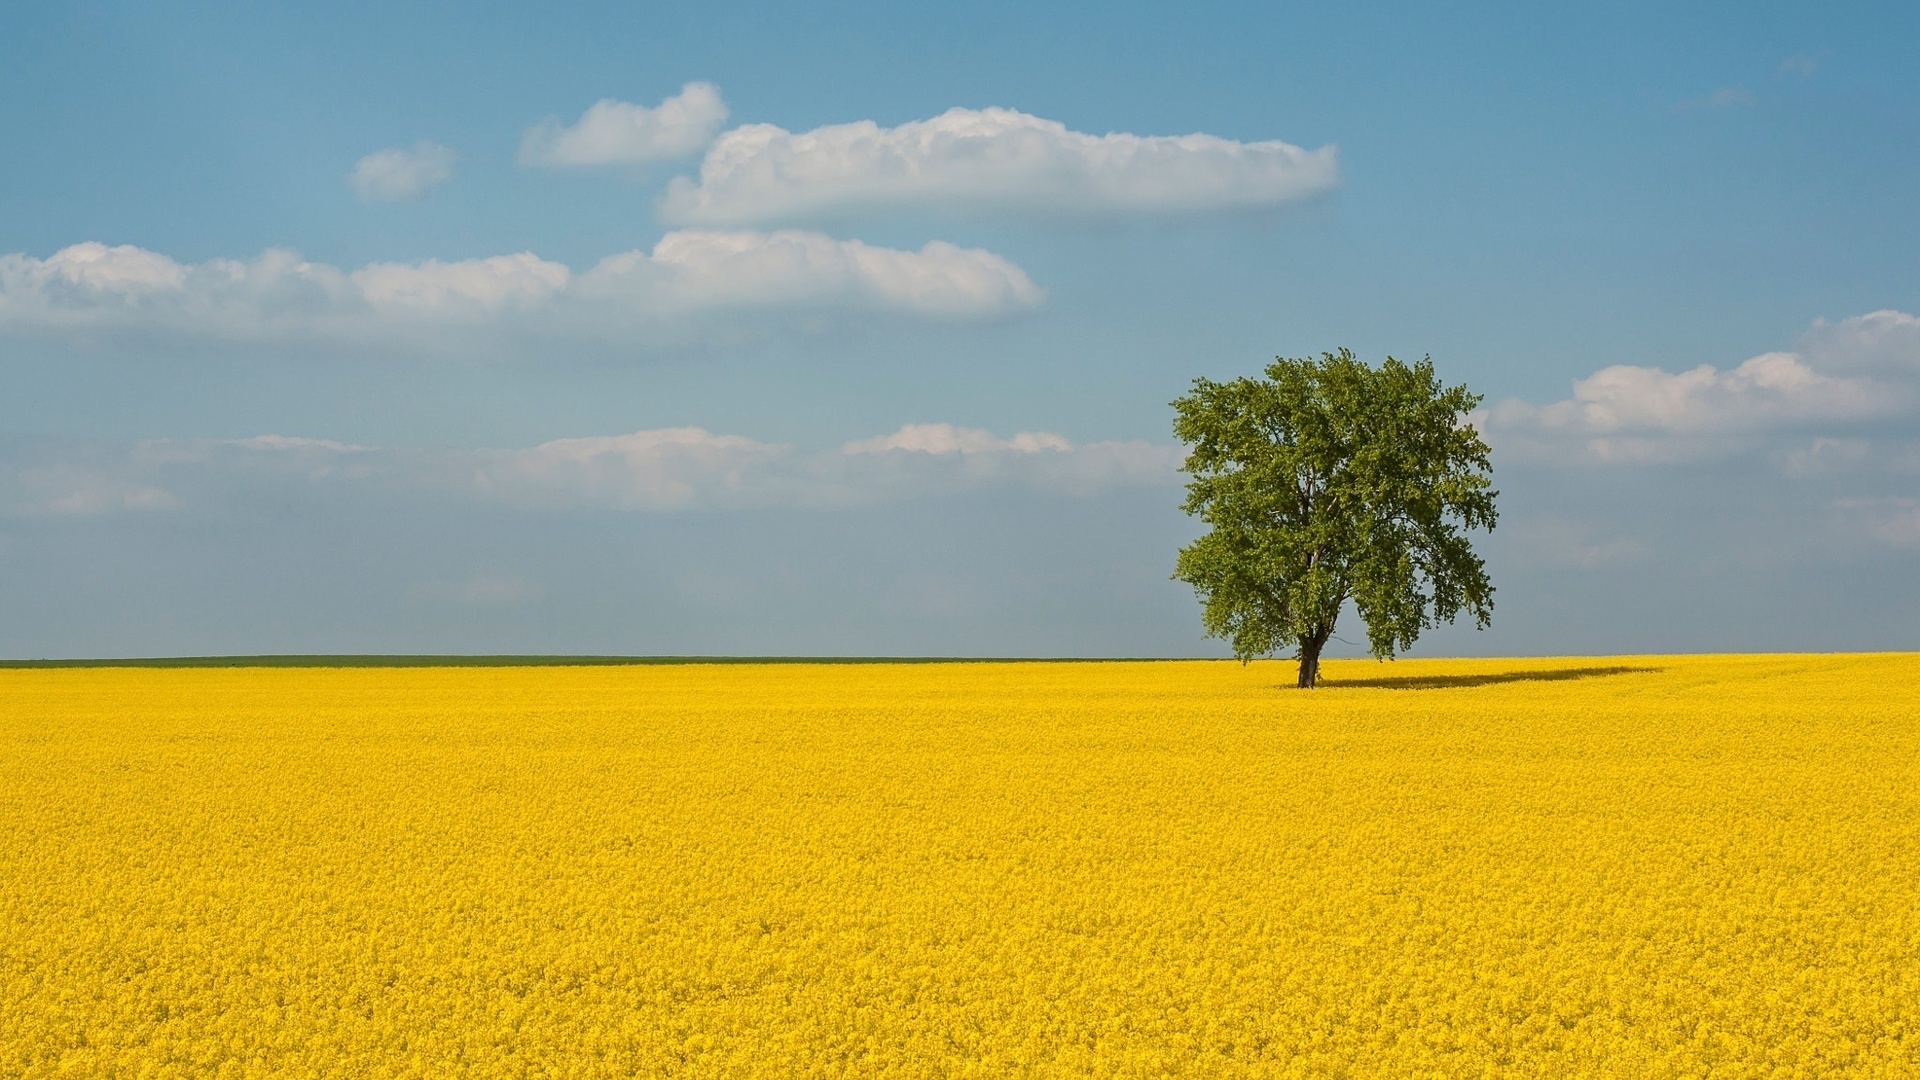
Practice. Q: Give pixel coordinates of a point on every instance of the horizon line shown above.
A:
(427, 660)
(542, 660)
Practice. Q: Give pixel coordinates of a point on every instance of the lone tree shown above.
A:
(1330, 481)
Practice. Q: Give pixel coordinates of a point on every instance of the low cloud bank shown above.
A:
(666, 469)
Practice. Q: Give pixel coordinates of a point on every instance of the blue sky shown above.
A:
(957, 448)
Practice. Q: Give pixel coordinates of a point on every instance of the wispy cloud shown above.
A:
(1803, 64)
(664, 469)
(1560, 542)
(615, 132)
(996, 160)
(1726, 97)
(76, 489)
(91, 291)
(1894, 521)
(678, 468)
(478, 591)
(402, 175)
(948, 439)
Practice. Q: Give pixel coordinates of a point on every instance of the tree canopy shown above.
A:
(1331, 481)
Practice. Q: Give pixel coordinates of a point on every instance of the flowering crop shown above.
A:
(1651, 867)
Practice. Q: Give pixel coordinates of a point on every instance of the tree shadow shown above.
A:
(1439, 682)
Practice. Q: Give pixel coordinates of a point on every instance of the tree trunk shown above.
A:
(1310, 659)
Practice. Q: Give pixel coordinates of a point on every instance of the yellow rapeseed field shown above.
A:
(1638, 867)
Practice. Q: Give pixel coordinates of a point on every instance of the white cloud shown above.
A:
(614, 132)
(89, 288)
(1858, 372)
(1761, 392)
(126, 272)
(988, 160)
(694, 269)
(89, 291)
(1883, 341)
(402, 175)
(467, 287)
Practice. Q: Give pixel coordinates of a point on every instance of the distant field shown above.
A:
(309, 660)
(1639, 867)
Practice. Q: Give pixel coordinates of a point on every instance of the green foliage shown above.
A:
(1330, 481)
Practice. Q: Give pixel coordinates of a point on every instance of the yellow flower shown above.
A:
(1649, 867)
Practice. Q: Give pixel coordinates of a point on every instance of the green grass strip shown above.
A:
(537, 660)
